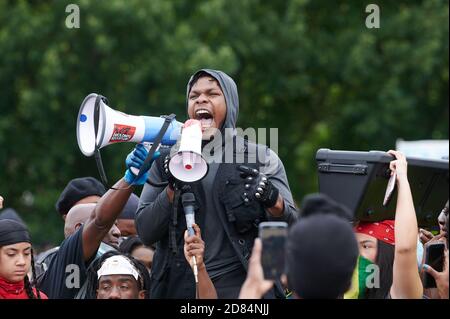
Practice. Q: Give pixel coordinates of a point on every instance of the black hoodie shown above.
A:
(222, 240)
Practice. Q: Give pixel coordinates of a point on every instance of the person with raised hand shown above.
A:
(194, 246)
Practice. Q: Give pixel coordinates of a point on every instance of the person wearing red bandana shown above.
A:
(391, 245)
(16, 259)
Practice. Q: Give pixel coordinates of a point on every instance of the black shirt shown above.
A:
(220, 256)
(66, 272)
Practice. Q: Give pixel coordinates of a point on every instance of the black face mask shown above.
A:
(13, 232)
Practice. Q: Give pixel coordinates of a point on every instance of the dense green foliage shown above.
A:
(310, 68)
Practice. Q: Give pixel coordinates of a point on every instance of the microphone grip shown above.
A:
(188, 201)
(189, 221)
(191, 231)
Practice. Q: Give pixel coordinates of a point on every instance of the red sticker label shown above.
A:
(122, 133)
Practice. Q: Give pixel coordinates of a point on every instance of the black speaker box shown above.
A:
(359, 180)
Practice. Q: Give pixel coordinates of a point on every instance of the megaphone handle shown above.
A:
(135, 170)
(156, 144)
(150, 154)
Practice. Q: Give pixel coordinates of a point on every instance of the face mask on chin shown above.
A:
(359, 279)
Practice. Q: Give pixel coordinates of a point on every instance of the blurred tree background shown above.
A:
(310, 68)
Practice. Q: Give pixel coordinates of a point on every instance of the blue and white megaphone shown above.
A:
(113, 127)
(105, 126)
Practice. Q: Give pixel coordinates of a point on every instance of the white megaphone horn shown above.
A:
(188, 165)
(112, 126)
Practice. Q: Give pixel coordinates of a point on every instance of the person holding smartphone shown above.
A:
(316, 267)
(441, 278)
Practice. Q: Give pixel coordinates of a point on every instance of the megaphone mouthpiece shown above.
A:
(188, 164)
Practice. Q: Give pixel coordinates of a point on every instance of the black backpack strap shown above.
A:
(174, 222)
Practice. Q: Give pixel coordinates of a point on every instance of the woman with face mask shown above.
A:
(375, 264)
(16, 259)
(387, 266)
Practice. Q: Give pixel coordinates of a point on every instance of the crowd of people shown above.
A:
(120, 246)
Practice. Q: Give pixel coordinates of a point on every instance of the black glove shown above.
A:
(170, 179)
(257, 186)
(173, 183)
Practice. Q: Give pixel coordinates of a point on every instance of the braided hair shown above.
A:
(28, 285)
(92, 280)
(13, 232)
(143, 271)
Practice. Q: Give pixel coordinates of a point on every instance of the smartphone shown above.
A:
(273, 236)
(390, 189)
(434, 257)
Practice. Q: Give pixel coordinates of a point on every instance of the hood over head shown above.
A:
(230, 92)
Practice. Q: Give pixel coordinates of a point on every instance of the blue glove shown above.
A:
(136, 159)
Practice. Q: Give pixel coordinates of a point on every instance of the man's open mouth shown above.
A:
(205, 117)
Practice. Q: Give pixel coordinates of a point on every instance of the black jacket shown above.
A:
(160, 222)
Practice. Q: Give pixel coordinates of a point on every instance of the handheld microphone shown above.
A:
(188, 201)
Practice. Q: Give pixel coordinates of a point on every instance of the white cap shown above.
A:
(117, 265)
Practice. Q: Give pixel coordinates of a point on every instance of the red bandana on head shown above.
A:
(383, 230)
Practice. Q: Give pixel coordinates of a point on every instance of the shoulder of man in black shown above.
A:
(66, 272)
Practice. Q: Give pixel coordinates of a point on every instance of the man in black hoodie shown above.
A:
(232, 199)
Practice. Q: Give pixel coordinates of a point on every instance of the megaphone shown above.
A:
(105, 126)
(188, 165)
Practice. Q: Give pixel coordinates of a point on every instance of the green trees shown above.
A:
(310, 68)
